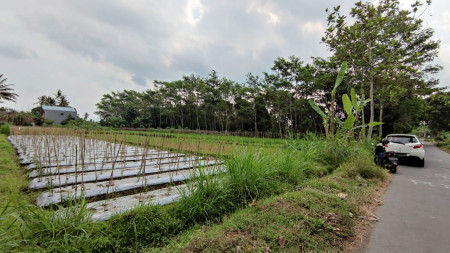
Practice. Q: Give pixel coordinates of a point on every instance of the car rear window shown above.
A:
(402, 139)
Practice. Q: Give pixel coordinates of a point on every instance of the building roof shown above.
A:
(58, 108)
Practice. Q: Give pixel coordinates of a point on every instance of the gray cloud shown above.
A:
(107, 45)
(14, 51)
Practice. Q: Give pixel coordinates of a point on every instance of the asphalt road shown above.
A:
(415, 216)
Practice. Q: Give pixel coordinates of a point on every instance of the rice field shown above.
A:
(114, 171)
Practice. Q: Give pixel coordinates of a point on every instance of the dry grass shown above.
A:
(364, 226)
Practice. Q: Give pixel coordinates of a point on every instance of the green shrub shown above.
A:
(363, 166)
(442, 137)
(336, 152)
(145, 226)
(443, 140)
(4, 129)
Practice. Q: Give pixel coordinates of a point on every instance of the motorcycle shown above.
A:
(389, 161)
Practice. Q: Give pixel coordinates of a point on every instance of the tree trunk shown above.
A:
(372, 110)
(381, 120)
(290, 114)
(198, 122)
(256, 122)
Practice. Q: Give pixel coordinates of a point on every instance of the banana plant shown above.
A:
(329, 119)
(351, 105)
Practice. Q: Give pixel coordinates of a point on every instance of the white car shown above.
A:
(406, 146)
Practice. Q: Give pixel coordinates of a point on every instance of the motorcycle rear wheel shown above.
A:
(393, 169)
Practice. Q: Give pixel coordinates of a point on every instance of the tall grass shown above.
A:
(9, 222)
(205, 198)
(62, 230)
(251, 176)
(363, 166)
(145, 226)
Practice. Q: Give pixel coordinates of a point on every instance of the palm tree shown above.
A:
(6, 92)
(62, 101)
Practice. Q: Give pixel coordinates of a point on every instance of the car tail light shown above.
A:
(418, 146)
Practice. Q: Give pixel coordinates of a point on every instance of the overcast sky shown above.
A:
(88, 48)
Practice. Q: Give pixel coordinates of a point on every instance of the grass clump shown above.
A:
(205, 199)
(251, 176)
(4, 129)
(138, 229)
(362, 166)
(63, 230)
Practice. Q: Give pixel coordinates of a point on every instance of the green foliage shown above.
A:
(58, 99)
(443, 140)
(339, 79)
(48, 122)
(328, 120)
(67, 120)
(437, 112)
(145, 226)
(421, 131)
(355, 106)
(4, 129)
(250, 176)
(205, 199)
(307, 219)
(6, 92)
(381, 48)
(83, 124)
(362, 166)
(336, 152)
(405, 115)
(63, 230)
(37, 115)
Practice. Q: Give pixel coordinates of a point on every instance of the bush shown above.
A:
(362, 165)
(443, 140)
(335, 153)
(4, 129)
(145, 226)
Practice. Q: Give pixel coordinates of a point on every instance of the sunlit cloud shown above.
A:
(194, 11)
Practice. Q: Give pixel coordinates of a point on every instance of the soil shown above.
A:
(367, 220)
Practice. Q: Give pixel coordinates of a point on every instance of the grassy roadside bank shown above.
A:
(12, 198)
(320, 215)
(297, 193)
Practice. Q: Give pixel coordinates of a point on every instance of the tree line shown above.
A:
(276, 102)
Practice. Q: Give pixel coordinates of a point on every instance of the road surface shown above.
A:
(415, 216)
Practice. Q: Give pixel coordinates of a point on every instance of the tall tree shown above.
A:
(383, 45)
(6, 92)
(58, 99)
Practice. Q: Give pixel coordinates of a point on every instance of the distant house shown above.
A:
(58, 113)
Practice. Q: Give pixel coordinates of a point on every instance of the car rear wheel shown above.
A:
(422, 163)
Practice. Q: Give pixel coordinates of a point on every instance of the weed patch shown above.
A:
(362, 166)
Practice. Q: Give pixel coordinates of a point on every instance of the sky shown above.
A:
(88, 48)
